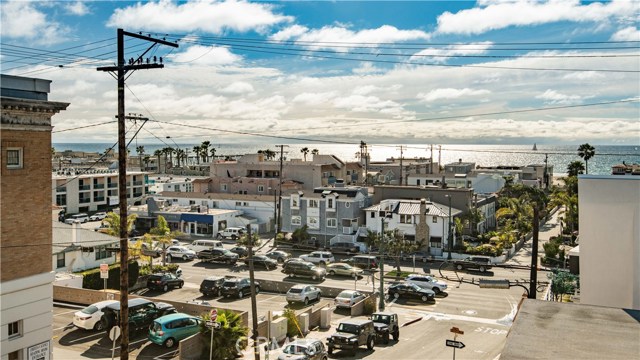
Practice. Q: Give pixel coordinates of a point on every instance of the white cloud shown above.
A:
(315, 98)
(205, 55)
(328, 34)
(630, 33)
(238, 87)
(554, 97)
(493, 15)
(22, 20)
(367, 68)
(440, 55)
(207, 15)
(584, 75)
(77, 8)
(449, 93)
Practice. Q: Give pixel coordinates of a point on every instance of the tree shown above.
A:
(315, 152)
(395, 244)
(225, 341)
(113, 223)
(157, 154)
(163, 235)
(180, 155)
(145, 160)
(300, 234)
(244, 240)
(372, 239)
(304, 151)
(204, 148)
(196, 151)
(575, 167)
(586, 152)
(212, 152)
(562, 282)
(268, 153)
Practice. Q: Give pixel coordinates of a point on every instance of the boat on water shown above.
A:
(535, 148)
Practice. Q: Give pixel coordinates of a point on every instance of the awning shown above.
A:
(201, 218)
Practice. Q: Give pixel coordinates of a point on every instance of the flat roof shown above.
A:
(553, 330)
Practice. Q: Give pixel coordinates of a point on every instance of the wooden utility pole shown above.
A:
(278, 224)
(401, 156)
(254, 305)
(121, 70)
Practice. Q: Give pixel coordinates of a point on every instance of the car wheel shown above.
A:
(314, 277)
(322, 263)
(459, 267)
(180, 285)
(370, 343)
(330, 350)
(306, 301)
(233, 237)
(482, 269)
(99, 326)
(396, 335)
(318, 298)
(424, 260)
(218, 236)
(165, 288)
(240, 294)
(385, 338)
(436, 290)
(257, 289)
(425, 298)
(396, 295)
(280, 260)
(170, 342)
(332, 273)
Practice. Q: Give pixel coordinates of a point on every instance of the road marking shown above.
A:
(66, 312)
(269, 299)
(171, 353)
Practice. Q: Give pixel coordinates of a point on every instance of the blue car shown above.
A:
(168, 330)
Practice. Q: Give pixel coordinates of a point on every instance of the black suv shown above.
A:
(386, 324)
(142, 312)
(217, 255)
(304, 269)
(352, 334)
(262, 261)
(164, 281)
(211, 285)
(479, 263)
(364, 262)
(238, 287)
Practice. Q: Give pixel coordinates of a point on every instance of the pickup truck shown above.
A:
(217, 255)
(479, 263)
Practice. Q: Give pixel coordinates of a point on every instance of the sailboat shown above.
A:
(535, 148)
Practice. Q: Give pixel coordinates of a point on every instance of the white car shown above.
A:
(98, 216)
(319, 257)
(303, 293)
(427, 282)
(180, 252)
(231, 233)
(77, 219)
(89, 317)
(348, 298)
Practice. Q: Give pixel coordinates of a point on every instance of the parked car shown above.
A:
(231, 233)
(365, 262)
(98, 216)
(164, 281)
(103, 228)
(77, 219)
(306, 245)
(211, 285)
(303, 293)
(180, 252)
(318, 257)
(149, 250)
(238, 287)
(418, 255)
(479, 263)
(304, 269)
(242, 251)
(351, 335)
(89, 317)
(386, 324)
(348, 298)
(168, 330)
(142, 312)
(408, 290)
(215, 255)
(344, 269)
(262, 261)
(304, 349)
(279, 255)
(344, 248)
(199, 245)
(427, 282)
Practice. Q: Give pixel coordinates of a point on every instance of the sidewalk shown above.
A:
(547, 230)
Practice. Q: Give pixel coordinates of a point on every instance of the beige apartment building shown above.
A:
(26, 292)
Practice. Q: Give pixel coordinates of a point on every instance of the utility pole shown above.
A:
(278, 224)
(449, 238)
(439, 157)
(431, 163)
(381, 290)
(254, 305)
(546, 174)
(121, 70)
(401, 149)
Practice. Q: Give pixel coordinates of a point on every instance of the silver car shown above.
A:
(304, 349)
(348, 298)
(427, 282)
(180, 252)
(303, 293)
(344, 270)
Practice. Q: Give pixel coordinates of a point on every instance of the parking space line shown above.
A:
(269, 299)
(171, 353)
(66, 312)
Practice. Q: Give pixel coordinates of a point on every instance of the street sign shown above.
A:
(104, 271)
(212, 324)
(455, 330)
(455, 344)
(213, 314)
(114, 333)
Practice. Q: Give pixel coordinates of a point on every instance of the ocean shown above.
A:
(558, 156)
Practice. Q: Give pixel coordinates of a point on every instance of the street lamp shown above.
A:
(449, 230)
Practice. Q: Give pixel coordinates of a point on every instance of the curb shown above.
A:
(411, 322)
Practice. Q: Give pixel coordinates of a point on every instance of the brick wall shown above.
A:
(25, 208)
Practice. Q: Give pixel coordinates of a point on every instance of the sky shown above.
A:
(418, 72)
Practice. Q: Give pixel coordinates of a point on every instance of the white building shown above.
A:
(77, 249)
(610, 240)
(158, 184)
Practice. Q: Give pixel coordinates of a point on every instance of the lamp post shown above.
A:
(449, 243)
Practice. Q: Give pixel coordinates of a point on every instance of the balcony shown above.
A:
(85, 201)
(98, 186)
(84, 187)
(61, 189)
(99, 198)
(137, 183)
(136, 194)
(112, 185)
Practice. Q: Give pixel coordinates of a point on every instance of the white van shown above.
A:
(77, 219)
(199, 245)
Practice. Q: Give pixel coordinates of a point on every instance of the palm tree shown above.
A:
(574, 168)
(196, 152)
(228, 339)
(162, 234)
(304, 151)
(212, 152)
(157, 154)
(146, 160)
(140, 151)
(586, 152)
(204, 147)
(113, 223)
(315, 152)
(269, 154)
(180, 155)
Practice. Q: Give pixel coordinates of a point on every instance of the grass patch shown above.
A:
(395, 273)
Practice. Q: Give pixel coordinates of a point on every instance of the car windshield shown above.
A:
(381, 318)
(349, 328)
(89, 310)
(294, 349)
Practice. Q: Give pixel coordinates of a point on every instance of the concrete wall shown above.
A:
(282, 287)
(191, 348)
(610, 240)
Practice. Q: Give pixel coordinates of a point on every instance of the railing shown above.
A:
(85, 201)
(112, 185)
(84, 187)
(61, 189)
(137, 183)
(98, 186)
(98, 198)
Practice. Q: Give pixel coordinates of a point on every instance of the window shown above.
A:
(14, 158)
(16, 355)
(435, 242)
(373, 214)
(312, 203)
(435, 219)
(60, 263)
(312, 222)
(295, 201)
(176, 188)
(101, 252)
(15, 329)
(260, 188)
(406, 219)
(238, 203)
(296, 220)
(192, 202)
(245, 204)
(61, 199)
(331, 203)
(223, 187)
(347, 205)
(332, 222)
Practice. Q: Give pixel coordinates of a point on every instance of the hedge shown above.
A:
(91, 278)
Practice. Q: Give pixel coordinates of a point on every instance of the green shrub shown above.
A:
(91, 278)
(146, 270)
(292, 323)
(485, 249)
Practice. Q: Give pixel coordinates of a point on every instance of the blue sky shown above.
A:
(491, 71)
